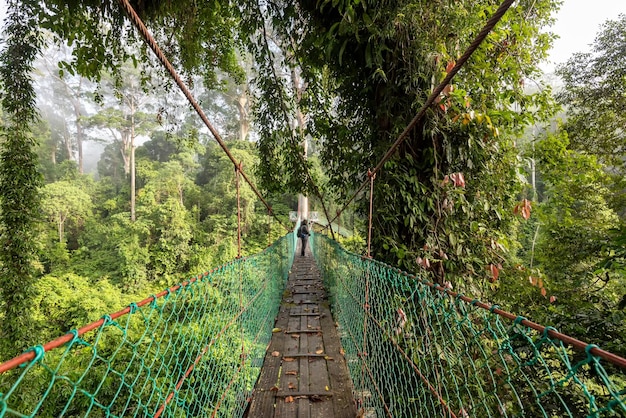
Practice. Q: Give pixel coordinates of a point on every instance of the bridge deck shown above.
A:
(304, 374)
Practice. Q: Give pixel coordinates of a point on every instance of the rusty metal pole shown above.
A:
(371, 176)
(269, 226)
(366, 302)
(339, 223)
(237, 172)
(238, 168)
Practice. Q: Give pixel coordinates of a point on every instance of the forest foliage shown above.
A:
(487, 195)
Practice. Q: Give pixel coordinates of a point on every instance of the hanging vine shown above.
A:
(19, 176)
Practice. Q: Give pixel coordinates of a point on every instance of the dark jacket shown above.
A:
(303, 231)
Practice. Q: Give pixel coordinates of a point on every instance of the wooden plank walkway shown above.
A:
(304, 374)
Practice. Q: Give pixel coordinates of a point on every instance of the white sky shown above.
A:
(578, 21)
(577, 24)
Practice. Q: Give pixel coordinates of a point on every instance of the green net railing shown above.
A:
(418, 350)
(194, 350)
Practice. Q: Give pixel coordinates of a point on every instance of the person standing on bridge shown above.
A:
(303, 233)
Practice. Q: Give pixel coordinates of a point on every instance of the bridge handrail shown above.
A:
(472, 358)
(495, 308)
(210, 315)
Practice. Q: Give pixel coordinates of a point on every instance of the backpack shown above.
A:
(301, 233)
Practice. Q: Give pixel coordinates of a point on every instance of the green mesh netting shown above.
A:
(180, 355)
(413, 351)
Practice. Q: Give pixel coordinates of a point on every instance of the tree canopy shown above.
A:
(593, 93)
(369, 66)
(346, 77)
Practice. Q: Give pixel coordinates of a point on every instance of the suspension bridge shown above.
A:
(395, 346)
(332, 334)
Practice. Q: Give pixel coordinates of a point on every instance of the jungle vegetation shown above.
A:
(489, 193)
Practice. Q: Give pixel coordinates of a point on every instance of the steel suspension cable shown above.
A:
(145, 33)
(491, 23)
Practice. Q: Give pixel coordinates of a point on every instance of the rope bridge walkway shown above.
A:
(304, 374)
(412, 349)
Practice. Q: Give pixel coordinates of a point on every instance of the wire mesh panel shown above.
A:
(418, 350)
(194, 350)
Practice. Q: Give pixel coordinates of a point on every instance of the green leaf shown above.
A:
(341, 50)
(368, 54)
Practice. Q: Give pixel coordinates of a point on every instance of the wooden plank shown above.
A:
(298, 355)
(290, 369)
(343, 401)
(262, 404)
(303, 384)
(320, 381)
(304, 394)
(306, 375)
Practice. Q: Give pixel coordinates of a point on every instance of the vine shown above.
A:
(20, 179)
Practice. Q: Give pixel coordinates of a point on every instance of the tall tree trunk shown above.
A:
(79, 144)
(241, 101)
(132, 159)
(67, 141)
(60, 231)
(79, 134)
(125, 150)
(78, 114)
(303, 201)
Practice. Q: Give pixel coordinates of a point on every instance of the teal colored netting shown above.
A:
(178, 356)
(413, 351)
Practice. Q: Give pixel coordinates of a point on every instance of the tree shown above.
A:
(576, 250)
(593, 93)
(19, 176)
(63, 97)
(159, 148)
(64, 201)
(218, 179)
(229, 106)
(575, 215)
(199, 40)
(127, 123)
(101, 41)
(596, 107)
(368, 67)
